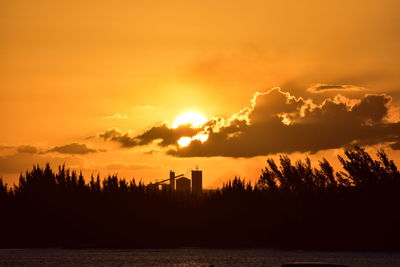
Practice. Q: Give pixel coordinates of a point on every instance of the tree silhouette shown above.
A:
(292, 205)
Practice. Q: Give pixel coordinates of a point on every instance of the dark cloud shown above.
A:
(74, 148)
(115, 135)
(395, 146)
(168, 136)
(280, 123)
(323, 88)
(27, 149)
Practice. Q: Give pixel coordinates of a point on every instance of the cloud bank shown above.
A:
(73, 148)
(277, 122)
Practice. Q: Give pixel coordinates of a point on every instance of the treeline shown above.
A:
(292, 205)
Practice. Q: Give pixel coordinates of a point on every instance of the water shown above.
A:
(188, 257)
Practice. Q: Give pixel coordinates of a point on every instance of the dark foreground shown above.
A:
(293, 206)
(190, 257)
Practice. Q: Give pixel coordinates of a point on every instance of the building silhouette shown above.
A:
(171, 181)
(183, 185)
(180, 183)
(197, 182)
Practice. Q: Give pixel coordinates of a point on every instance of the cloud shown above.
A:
(74, 148)
(395, 146)
(25, 156)
(27, 149)
(117, 116)
(324, 88)
(278, 122)
(166, 135)
(117, 136)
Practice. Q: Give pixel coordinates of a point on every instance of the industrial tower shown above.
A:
(197, 182)
(180, 183)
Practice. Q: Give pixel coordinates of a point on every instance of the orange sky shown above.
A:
(67, 67)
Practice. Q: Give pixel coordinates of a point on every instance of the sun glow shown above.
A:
(193, 118)
(196, 120)
(201, 137)
(185, 141)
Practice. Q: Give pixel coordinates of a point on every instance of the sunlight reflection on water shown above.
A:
(188, 257)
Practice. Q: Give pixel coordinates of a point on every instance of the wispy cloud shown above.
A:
(27, 149)
(117, 116)
(324, 88)
(74, 148)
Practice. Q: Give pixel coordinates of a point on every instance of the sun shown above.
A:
(193, 118)
(184, 141)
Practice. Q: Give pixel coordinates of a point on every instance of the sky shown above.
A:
(97, 85)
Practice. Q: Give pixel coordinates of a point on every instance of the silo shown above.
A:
(165, 187)
(197, 181)
(183, 185)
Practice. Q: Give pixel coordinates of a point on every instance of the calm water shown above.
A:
(188, 257)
